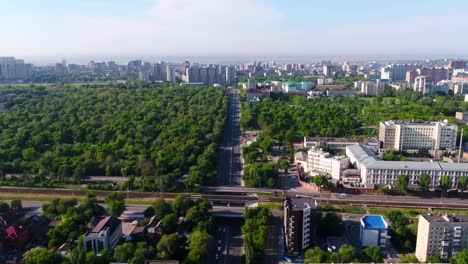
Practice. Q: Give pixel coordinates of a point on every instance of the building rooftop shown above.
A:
(368, 158)
(107, 222)
(373, 222)
(449, 218)
(300, 203)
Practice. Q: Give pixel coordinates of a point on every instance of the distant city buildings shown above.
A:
(441, 235)
(14, 69)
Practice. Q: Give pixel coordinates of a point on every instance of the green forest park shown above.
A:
(53, 135)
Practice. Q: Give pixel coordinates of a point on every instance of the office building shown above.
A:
(406, 136)
(298, 226)
(374, 171)
(373, 231)
(105, 235)
(441, 235)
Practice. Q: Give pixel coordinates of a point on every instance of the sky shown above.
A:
(87, 28)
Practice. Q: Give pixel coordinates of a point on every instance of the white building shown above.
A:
(372, 170)
(170, 74)
(405, 136)
(441, 235)
(323, 163)
(105, 235)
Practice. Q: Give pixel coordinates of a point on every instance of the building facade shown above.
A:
(105, 235)
(373, 231)
(441, 235)
(298, 226)
(323, 163)
(406, 136)
(374, 171)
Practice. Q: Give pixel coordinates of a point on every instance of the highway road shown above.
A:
(230, 166)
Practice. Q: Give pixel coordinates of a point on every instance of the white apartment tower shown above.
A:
(441, 235)
(405, 136)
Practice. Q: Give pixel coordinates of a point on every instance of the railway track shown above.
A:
(224, 198)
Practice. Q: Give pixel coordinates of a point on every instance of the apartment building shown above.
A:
(441, 235)
(411, 136)
(372, 170)
(298, 226)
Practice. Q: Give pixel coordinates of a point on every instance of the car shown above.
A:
(342, 195)
(219, 241)
(219, 248)
(217, 256)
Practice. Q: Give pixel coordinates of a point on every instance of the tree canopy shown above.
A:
(65, 133)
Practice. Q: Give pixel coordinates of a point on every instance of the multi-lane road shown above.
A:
(230, 166)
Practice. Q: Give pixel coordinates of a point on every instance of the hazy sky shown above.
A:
(64, 28)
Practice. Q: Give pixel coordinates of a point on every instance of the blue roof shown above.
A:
(373, 222)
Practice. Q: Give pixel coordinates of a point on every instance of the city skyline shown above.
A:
(53, 29)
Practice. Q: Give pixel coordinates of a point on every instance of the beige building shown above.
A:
(405, 136)
(441, 235)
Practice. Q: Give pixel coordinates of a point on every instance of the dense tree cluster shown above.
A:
(403, 234)
(288, 118)
(64, 133)
(346, 254)
(255, 231)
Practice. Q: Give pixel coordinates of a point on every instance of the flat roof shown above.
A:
(373, 222)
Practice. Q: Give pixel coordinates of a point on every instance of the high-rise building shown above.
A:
(192, 74)
(396, 72)
(328, 70)
(411, 75)
(423, 84)
(230, 74)
(402, 136)
(298, 226)
(170, 74)
(211, 75)
(14, 69)
(436, 74)
(441, 235)
(134, 66)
